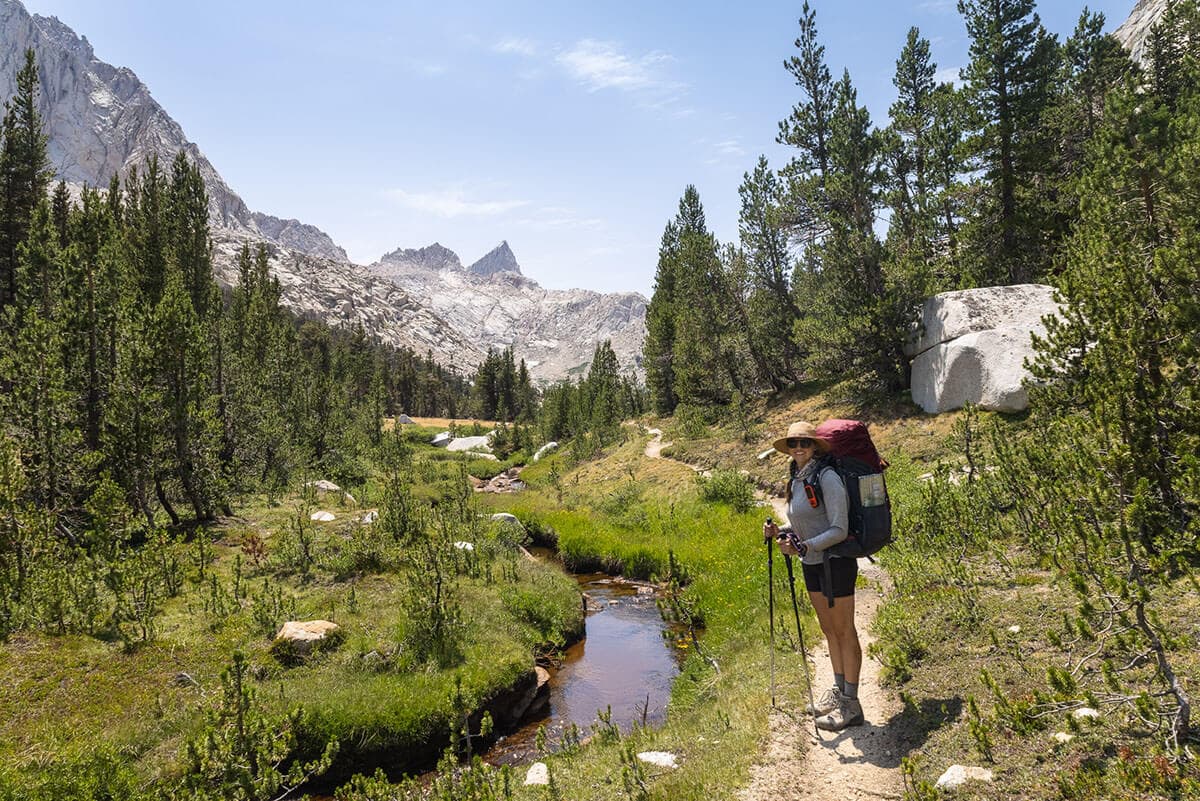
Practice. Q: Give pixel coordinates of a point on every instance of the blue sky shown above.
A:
(568, 129)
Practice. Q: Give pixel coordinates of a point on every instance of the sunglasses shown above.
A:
(800, 442)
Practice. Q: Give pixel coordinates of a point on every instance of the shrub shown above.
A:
(729, 487)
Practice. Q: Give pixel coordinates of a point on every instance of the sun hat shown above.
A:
(800, 429)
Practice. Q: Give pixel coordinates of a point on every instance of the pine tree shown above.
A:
(908, 154)
(1008, 85)
(851, 328)
(601, 395)
(1116, 409)
(768, 307)
(180, 356)
(807, 129)
(186, 217)
(39, 406)
(1092, 64)
(699, 361)
(24, 173)
(658, 349)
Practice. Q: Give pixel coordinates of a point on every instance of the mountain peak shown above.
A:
(431, 257)
(499, 259)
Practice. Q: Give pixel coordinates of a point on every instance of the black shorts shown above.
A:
(842, 569)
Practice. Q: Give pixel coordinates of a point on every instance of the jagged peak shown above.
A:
(433, 257)
(498, 259)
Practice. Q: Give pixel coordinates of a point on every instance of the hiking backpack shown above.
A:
(854, 457)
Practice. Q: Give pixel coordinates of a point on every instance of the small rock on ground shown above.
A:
(538, 773)
(958, 775)
(662, 759)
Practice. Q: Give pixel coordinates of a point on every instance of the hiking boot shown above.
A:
(830, 700)
(849, 713)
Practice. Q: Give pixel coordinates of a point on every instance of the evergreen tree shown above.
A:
(857, 327)
(186, 216)
(807, 129)
(920, 240)
(180, 357)
(766, 303)
(1092, 64)
(1008, 86)
(25, 173)
(913, 113)
(1112, 468)
(602, 398)
(699, 361)
(658, 349)
(945, 168)
(39, 407)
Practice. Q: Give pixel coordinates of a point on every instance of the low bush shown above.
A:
(729, 487)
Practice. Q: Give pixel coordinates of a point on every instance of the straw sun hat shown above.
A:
(800, 429)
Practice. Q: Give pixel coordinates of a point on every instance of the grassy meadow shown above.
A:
(966, 633)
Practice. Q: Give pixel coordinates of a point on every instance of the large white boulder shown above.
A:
(974, 344)
(462, 444)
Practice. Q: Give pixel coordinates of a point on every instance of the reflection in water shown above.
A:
(623, 660)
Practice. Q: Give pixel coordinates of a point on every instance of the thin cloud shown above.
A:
(602, 65)
(730, 147)
(554, 217)
(515, 46)
(948, 75)
(938, 6)
(452, 203)
(723, 151)
(428, 68)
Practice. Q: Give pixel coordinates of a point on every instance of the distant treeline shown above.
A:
(121, 359)
(966, 186)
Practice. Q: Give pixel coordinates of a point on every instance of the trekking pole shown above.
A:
(787, 558)
(771, 608)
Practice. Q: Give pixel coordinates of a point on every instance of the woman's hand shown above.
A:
(770, 530)
(790, 545)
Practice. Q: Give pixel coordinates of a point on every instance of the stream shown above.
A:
(627, 661)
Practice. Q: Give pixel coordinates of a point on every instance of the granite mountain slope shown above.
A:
(555, 331)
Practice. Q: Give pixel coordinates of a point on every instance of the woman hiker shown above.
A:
(814, 524)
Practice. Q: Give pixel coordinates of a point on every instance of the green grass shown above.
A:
(70, 705)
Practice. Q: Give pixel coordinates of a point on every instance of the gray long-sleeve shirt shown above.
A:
(824, 526)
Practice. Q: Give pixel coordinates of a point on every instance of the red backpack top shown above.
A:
(849, 439)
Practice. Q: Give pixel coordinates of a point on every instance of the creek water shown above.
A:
(627, 662)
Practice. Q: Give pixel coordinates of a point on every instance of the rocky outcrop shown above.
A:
(433, 257)
(499, 260)
(555, 331)
(1134, 32)
(295, 235)
(346, 295)
(974, 344)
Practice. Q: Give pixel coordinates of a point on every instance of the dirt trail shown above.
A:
(655, 445)
(862, 762)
